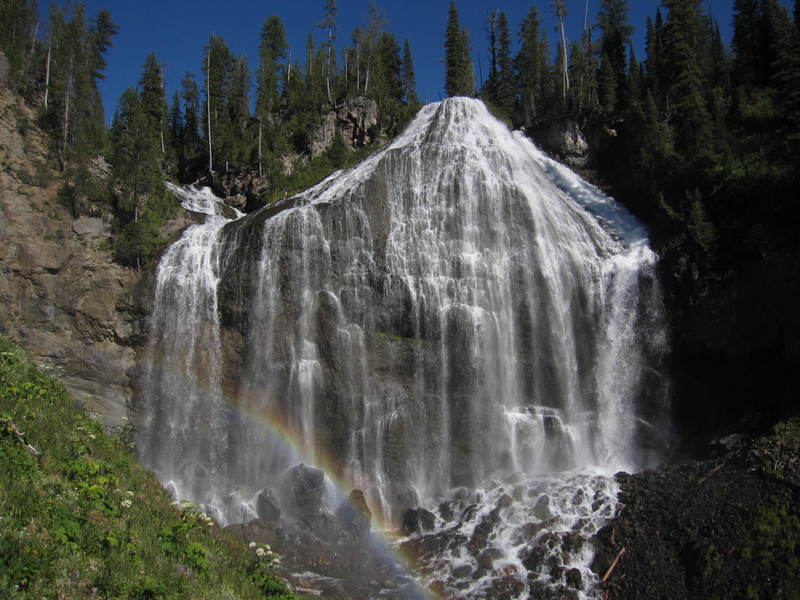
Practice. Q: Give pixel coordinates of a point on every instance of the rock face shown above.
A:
(565, 139)
(353, 119)
(62, 299)
(727, 527)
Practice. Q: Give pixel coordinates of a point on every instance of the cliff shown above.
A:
(62, 298)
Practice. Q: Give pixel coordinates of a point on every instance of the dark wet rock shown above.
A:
(425, 546)
(575, 578)
(355, 516)
(417, 519)
(579, 498)
(487, 557)
(267, 507)
(480, 537)
(527, 532)
(462, 572)
(446, 511)
(506, 588)
(573, 542)
(301, 490)
(479, 573)
(533, 558)
(541, 510)
(505, 501)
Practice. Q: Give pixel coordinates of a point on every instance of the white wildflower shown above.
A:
(129, 493)
(252, 544)
(92, 436)
(260, 552)
(127, 503)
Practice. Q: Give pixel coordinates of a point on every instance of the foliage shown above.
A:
(79, 517)
(459, 74)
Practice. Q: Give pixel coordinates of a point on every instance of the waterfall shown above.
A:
(456, 309)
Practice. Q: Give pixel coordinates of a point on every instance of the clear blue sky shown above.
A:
(177, 30)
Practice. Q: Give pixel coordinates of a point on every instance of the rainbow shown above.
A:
(276, 427)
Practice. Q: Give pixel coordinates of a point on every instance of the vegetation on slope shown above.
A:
(80, 518)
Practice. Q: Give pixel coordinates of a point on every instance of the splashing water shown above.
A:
(456, 311)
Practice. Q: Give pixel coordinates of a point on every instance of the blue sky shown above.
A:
(177, 30)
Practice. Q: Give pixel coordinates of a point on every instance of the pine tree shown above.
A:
(18, 27)
(746, 19)
(193, 151)
(505, 93)
(218, 68)
(615, 36)
(560, 7)
(531, 67)
(142, 199)
(271, 51)
(153, 98)
(684, 81)
(459, 76)
(409, 79)
(500, 85)
(329, 25)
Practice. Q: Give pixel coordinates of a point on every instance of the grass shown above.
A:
(79, 517)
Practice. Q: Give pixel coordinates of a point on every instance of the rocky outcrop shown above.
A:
(242, 189)
(353, 119)
(62, 298)
(725, 527)
(565, 140)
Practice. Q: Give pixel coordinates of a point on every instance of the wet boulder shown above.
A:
(417, 519)
(267, 506)
(355, 516)
(542, 508)
(302, 488)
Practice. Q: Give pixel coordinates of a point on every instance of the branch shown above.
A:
(614, 564)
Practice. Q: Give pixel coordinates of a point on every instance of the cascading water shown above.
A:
(457, 322)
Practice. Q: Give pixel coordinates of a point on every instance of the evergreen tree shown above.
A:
(459, 75)
(560, 7)
(192, 156)
(329, 63)
(271, 51)
(153, 98)
(142, 198)
(73, 113)
(531, 67)
(218, 67)
(614, 37)
(238, 102)
(500, 86)
(409, 79)
(684, 81)
(18, 27)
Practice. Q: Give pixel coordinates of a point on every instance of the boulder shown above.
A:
(541, 509)
(267, 506)
(565, 139)
(355, 516)
(417, 519)
(302, 488)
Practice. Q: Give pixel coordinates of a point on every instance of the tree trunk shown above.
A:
(208, 109)
(65, 122)
(47, 72)
(259, 148)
